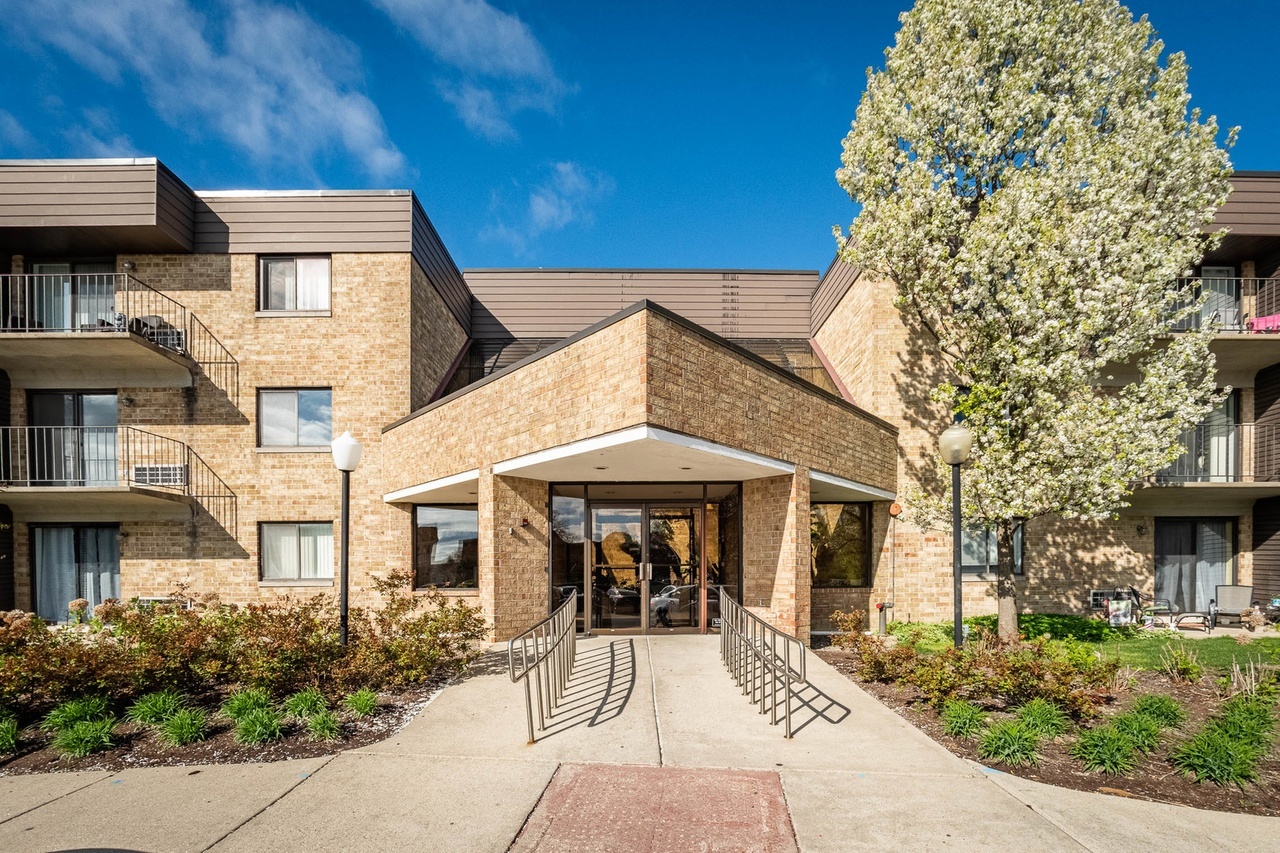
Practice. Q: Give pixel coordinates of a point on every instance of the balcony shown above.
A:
(1224, 467)
(79, 473)
(102, 330)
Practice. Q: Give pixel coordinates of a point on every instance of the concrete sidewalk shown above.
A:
(460, 777)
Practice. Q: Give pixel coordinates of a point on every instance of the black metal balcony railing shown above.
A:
(1235, 304)
(1226, 453)
(114, 302)
(96, 457)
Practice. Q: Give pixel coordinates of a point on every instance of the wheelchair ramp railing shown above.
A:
(544, 656)
(766, 663)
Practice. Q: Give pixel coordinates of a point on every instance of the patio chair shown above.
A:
(1231, 601)
(1154, 611)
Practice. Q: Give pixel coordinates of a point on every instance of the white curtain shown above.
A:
(1213, 561)
(55, 563)
(279, 551)
(99, 564)
(49, 305)
(313, 284)
(315, 550)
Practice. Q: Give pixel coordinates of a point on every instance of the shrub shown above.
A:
(1215, 756)
(1009, 742)
(1181, 664)
(8, 734)
(258, 725)
(184, 726)
(84, 737)
(305, 703)
(155, 708)
(324, 726)
(83, 710)
(1043, 718)
(243, 702)
(1142, 731)
(1056, 626)
(1247, 718)
(1163, 709)
(1105, 749)
(363, 702)
(961, 719)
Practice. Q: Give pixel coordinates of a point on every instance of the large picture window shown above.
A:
(297, 551)
(295, 417)
(445, 547)
(294, 284)
(978, 550)
(840, 542)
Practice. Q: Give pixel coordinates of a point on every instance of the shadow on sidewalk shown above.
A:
(815, 705)
(602, 683)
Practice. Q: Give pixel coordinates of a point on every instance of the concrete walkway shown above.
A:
(642, 716)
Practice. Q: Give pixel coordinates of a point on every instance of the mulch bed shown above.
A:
(1154, 778)
(138, 746)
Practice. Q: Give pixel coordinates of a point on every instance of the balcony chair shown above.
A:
(1230, 600)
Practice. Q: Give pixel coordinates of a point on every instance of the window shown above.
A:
(294, 284)
(296, 551)
(74, 562)
(978, 551)
(840, 542)
(445, 547)
(295, 417)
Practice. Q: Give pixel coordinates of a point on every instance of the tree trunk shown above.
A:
(1006, 594)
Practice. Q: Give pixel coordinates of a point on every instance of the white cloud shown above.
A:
(13, 136)
(267, 79)
(98, 136)
(500, 67)
(566, 197)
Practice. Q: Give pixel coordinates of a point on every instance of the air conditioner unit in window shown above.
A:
(160, 475)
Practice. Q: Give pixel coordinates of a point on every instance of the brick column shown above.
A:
(513, 557)
(776, 555)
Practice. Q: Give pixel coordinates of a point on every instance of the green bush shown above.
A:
(1105, 749)
(1043, 718)
(1247, 718)
(244, 702)
(1215, 756)
(154, 708)
(259, 725)
(961, 719)
(1142, 731)
(1163, 709)
(1056, 627)
(1009, 742)
(1181, 664)
(184, 726)
(305, 703)
(324, 725)
(363, 702)
(84, 737)
(8, 734)
(73, 711)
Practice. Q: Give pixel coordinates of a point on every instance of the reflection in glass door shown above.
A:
(675, 596)
(645, 568)
(618, 584)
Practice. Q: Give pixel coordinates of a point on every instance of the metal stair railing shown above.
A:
(544, 654)
(762, 660)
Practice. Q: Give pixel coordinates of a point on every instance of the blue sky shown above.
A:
(657, 134)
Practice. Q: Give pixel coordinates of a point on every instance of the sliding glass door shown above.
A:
(74, 562)
(1193, 556)
(73, 438)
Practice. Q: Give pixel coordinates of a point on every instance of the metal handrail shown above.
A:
(92, 302)
(762, 660)
(546, 652)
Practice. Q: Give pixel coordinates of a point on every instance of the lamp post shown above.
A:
(955, 443)
(346, 456)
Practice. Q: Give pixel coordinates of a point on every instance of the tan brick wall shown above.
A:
(515, 559)
(435, 338)
(776, 558)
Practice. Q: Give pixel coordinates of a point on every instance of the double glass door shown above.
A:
(647, 572)
(72, 438)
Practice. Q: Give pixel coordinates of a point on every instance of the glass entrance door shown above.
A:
(646, 568)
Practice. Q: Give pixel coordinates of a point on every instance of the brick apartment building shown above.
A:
(174, 364)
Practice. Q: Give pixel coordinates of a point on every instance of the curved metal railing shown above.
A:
(762, 660)
(544, 655)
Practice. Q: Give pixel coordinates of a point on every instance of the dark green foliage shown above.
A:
(184, 726)
(1248, 718)
(1043, 718)
(1009, 742)
(259, 725)
(1215, 756)
(244, 702)
(961, 719)
(73, 711)
(305, 703)
(1105, 749)
(1163, 709)
(1142, 731)
(154, 708)
(1056, 627)
(363, 702)
(84, 737)
(8, 734)
(324, 726)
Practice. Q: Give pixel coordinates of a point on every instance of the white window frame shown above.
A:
(988, 570)
(296, 578)
(311, 302)
(264, 394)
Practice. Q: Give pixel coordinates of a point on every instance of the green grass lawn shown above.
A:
(1215, 653)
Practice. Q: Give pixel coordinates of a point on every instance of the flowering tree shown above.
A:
(1033, 182)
